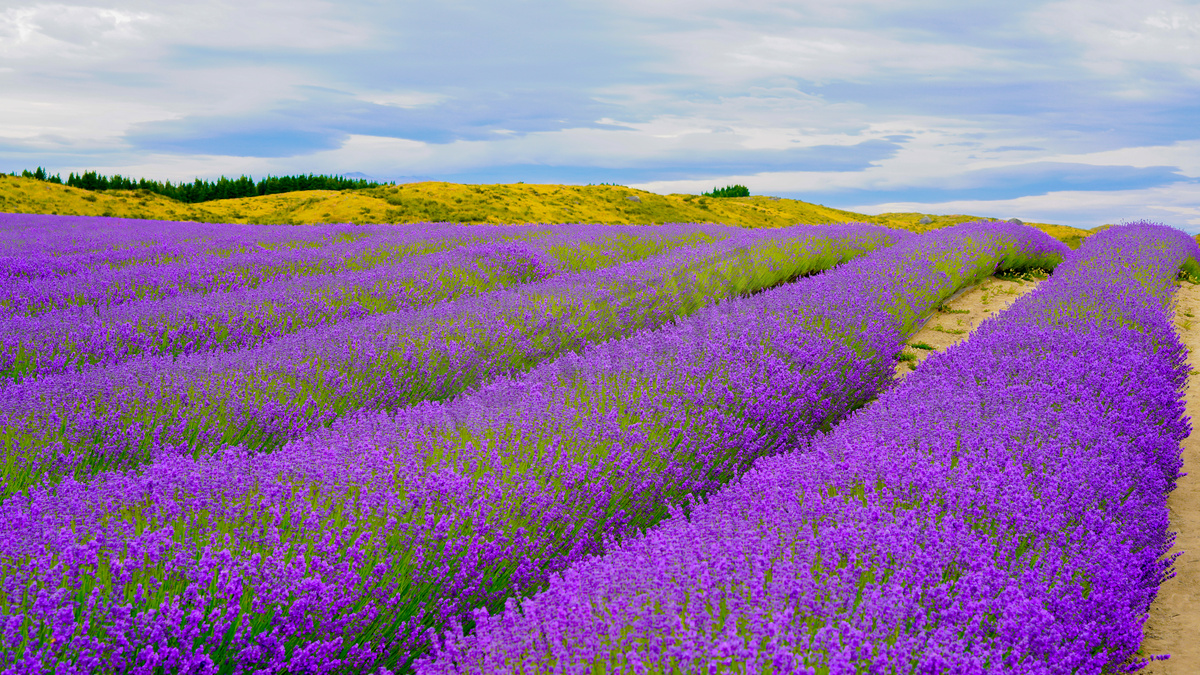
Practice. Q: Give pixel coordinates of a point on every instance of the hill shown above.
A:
(438, 201)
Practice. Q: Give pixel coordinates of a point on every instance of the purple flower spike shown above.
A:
(119, 416)
(1001, 510)
(352, 547)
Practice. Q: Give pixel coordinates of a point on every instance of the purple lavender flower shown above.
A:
(74, 337)
(1001, 510)
(345, 549)
(123, 415)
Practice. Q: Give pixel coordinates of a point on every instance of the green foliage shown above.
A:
(921, 345)
(729, 191)
(41, 174)
(1190, 272)
(201, 190)
(1027, 274)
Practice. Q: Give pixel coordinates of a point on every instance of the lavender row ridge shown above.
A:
(130, 413)
(1001, 510)
(340, 551)
(72, 338)
(241, 268)
(41, 246)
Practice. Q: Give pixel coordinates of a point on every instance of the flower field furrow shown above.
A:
(1001, 510)
(246, 266)
(338, 552)
(75, 337)
(40, 246)
(53, 235)
(123, 415)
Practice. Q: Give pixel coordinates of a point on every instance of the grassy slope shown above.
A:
(436, 201)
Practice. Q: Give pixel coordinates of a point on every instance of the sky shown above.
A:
(1079, 112)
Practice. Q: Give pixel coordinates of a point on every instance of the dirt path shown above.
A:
(1174, 624)
(962, 315)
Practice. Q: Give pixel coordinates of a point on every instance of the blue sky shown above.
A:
(1080, 112)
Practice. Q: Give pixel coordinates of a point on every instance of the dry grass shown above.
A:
(962, 314)
(438, 201)
(27, 195)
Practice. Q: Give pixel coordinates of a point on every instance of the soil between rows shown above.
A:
(1174, 624)
(966, 311)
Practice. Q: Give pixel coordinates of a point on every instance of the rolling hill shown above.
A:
(438, 201)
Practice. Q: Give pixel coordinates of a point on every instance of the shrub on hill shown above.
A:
(729, 191)
(201, 190)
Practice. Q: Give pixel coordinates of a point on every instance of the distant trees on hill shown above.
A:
(201, 190)
(729, 191)
(41, 174)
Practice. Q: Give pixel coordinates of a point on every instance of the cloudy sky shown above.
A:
(1080, 112)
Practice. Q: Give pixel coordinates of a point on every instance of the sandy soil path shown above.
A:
(960, 316)
(1174, 624)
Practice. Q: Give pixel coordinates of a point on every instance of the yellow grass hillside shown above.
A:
(28, 195)
(437, 201)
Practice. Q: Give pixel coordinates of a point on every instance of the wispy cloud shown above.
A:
(1022, 109)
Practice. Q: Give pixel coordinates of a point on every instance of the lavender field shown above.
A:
(442, 448)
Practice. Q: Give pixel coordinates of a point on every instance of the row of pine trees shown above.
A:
(201, 190)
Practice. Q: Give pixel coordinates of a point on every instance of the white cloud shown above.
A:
(52, 120)
(935, 152)
(367, 154)
(89, 117)
(264, 25)
(402, 99)
(764, 11)
(1182, 154)
(79, 77)
(1177, 205)
(1117, 36)
(732, 53)
(61, 33)
(691, 83)
(56, 32)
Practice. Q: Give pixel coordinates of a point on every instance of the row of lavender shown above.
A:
(43, 246)
(50, 236)
(342, 550)
(161, 259)
(262, 306)
(1003, 510)
(56, 247)
(129, 413)
(312, 250)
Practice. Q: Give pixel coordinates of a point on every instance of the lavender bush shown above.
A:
(1002, 510)
(48, 247)
(40, 246)
(70, 338)
(341, 550)
(247, 265)
(127, 414)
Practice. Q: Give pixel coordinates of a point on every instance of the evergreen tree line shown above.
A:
(729, 191)
(201, 190)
